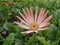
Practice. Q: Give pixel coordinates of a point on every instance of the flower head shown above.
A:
(35, 22)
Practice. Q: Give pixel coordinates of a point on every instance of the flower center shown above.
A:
(34, 26)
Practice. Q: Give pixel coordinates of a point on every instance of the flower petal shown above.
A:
(27, 32)
(22, 20)
(24, 17)
(29, 15)
(36, 31)
(22, 25)
(45, 24)
(25, 14)
(43, 29)
(43, 17)
(31, 12)
(40, 15)
(36, 13)
(47, 20)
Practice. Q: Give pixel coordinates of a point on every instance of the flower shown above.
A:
(35, 22)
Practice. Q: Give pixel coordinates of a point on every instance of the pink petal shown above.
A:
(24, 17)
(22, 20)
(43, 17)
(40, 15)
(45, 24)
(27, 32)
(43, 29)
(36, 31)
(22, 25)
(29, 15)
(36, 13)
(47, 19)
(25, 14)
(31, 12)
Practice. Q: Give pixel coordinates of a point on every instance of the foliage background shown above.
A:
(10, 33)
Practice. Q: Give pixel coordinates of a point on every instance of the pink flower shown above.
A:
(35, 22)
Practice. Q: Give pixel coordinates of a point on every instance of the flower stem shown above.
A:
(34, 38)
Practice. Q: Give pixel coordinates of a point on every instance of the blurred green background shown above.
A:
(10, 33)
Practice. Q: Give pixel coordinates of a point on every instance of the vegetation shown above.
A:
(10, 32)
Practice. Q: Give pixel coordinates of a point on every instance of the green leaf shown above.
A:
(9, 40)
(6, 25)
(53, 27)
(31, 40)
(1, 37)
(18, 42)
(59, 23)
(1, 29)
(42, 40)
(54, 43)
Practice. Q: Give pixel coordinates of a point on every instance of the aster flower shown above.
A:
(33, 23)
